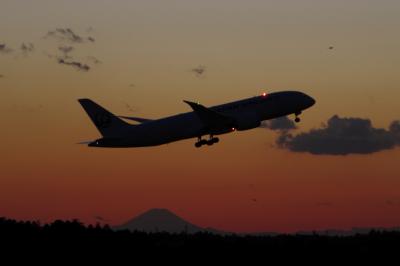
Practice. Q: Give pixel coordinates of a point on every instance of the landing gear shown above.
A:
(211, 141)
(297, 119)
(200, 142)
(197, 144)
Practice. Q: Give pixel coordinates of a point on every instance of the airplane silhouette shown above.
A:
(221, 119)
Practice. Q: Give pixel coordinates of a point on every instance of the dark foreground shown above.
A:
(67, 240)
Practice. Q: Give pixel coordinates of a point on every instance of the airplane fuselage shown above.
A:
(245, 114)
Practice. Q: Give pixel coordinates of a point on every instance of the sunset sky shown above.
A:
(137, 58)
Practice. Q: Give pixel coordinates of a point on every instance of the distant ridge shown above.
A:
(350, 232)
(161, 220)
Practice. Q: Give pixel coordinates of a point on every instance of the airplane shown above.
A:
(201, 121)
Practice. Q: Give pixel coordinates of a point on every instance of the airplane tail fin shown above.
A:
(108, 124)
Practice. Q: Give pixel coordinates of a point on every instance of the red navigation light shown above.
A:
(264, 94)
(233, 129)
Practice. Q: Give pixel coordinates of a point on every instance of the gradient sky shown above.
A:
(247, 47)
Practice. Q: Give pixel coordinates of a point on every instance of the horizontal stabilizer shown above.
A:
(85, 142)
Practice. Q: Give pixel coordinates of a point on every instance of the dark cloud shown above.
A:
(395, 127)
(281, 124)
(27, 48)
(67, 34)
(93, 60)
(76, 65)
(64, 34)
(4, 49)
(199, 71)
(65, 54)
(66, 49)
(342, 136)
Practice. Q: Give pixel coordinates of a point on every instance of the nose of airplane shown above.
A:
(310, 101)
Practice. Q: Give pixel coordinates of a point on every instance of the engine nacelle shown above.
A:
(247, 121)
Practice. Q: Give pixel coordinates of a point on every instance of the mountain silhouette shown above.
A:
(161, 220)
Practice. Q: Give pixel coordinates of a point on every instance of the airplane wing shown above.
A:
(211, 119)
(137, 119)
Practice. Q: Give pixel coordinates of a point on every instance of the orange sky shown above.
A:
(247, 47)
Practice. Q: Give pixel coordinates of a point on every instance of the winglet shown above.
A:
(194, 105)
